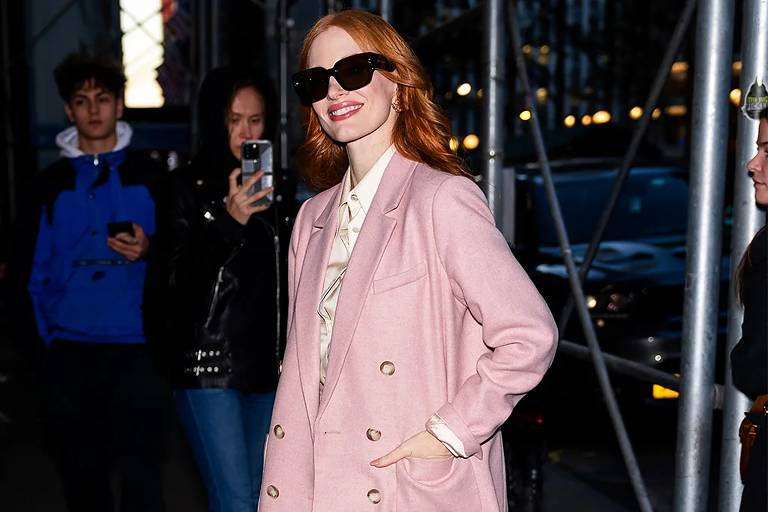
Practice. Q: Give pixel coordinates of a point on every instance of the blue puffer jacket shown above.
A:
(81, 289)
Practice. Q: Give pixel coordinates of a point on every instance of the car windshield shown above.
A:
(653, 203)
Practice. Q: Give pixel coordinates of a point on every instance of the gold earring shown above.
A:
(396, 106)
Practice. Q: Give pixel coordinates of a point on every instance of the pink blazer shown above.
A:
(435, 315)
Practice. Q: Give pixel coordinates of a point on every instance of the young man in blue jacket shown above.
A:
(87, 284)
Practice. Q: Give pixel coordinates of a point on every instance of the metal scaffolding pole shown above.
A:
(385, 7)
(598, 359)
(493, 105)
(746, 221)
(9, 143)
(203, 39)
(215, 33)
(709, 141)
(284, 23)
(201, 63)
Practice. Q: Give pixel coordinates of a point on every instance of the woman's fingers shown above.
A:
(392, 457)
(243, 190)
(422, 446)
(233, 182)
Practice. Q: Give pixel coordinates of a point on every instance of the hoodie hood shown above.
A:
(214, 157)
(69, 141)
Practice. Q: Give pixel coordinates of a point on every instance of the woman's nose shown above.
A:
(334, 89)
(245, 131)
(752, 166)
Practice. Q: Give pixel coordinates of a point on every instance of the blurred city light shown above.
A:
(735, 96)
(656, 113)
(544, 50)
(569, 121)
(586, 119)
(471, 141)
(679, 67)
(464, 89)
(525, 115)
(541, 95)
(453, 143)
(527, 50)
(736, 67)
(636, 113)
(676, 110)
(601, 117)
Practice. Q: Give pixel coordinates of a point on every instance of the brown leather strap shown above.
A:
(748, 433)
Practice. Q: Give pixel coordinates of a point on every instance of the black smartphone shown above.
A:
(124, 226)
(257, 156)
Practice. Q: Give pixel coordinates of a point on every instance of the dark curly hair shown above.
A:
(78, 68)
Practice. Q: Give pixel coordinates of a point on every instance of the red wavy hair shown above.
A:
(421, 132)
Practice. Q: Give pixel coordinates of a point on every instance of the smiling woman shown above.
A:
(400, 365)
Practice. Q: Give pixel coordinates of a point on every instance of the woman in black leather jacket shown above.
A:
(224, 268)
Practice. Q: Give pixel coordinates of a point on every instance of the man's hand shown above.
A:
(132, 247)
(421, 446)
(239, 202)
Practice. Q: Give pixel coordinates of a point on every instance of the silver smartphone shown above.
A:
(256, 155)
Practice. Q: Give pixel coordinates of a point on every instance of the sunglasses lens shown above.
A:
(351, 73)
(311, 85)
(354, 72)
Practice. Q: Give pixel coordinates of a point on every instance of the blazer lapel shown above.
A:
(377, 230)
(308, 295)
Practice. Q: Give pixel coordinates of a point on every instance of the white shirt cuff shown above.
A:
(438, 428)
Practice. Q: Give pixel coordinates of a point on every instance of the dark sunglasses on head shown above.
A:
(352, 73)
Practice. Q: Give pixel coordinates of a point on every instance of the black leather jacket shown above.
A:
(226, 287)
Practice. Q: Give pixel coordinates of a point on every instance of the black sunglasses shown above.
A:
(352, 73)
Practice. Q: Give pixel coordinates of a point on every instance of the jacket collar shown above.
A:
(387, 197)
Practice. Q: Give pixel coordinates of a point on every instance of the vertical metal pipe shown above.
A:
(746, 221)
(493, 104)
(284, 41)
(584, 107)
(9, 142)
(385, 7)
(215, 33)
(200, 46)
(203, 40)
(709, 142)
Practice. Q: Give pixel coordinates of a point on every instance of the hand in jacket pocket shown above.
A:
(421, 446)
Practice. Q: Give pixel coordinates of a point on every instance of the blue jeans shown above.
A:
(227, 430)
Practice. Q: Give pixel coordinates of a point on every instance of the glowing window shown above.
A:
(141, 22)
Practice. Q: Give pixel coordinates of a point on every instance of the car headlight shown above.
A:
(618, 302)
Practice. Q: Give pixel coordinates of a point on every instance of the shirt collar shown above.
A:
(367, 187)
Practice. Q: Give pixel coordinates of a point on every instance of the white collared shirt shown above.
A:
(364, 192)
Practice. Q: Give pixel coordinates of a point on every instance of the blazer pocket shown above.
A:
(388, 283)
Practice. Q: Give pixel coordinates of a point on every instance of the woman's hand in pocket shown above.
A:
(421, 446)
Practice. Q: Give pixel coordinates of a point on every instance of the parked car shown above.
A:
(634, 289)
